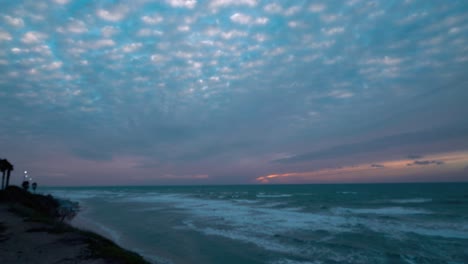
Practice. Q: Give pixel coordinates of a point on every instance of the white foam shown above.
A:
(84, 222)
(153, 258)
(413, 200)
(436, 230)
(78, 195)
(380, 211)
(245, 201)
(255, 223)
(345, 192)
(262, 195)
(401, 229)
(265, 242)
(73, 195)
(274, 204)
(258, 222)
(290, 261)
(250, 221)
(258, 218)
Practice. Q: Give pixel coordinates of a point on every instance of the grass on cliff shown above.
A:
(100, 246)
(46, 209)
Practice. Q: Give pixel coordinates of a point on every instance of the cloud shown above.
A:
(75, 27)
(103, 43)
(426, 162)
(329, 18)
(5, 36)
(233, 34)
(341, 94)
(225, 3)
(414, 156)
(412, 18)
(273, 8)
(53, 66)
(14, 21)
(33, 37)
(112, 16)
(294, 24)
(241, 18)
(387, 61)
(383, 143)
(185, 177)
(146, 32)
(158, 58)
(183, 28)
(248, 20)
(182, 3)
(292, 10)
(346, 173)
(333, 31)
(261, 21)
(152, 20)
(170, 80)
(132, 47)
(317, 8)
(62, 2)
(373, 172)
(260, 37)
(109, 31)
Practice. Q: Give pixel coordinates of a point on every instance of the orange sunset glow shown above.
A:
(441, 163)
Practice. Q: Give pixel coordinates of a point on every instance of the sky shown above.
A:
(142, 92)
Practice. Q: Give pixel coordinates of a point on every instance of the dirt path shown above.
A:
(29, 242)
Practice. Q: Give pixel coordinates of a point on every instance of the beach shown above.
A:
(28, 235)
(27, 242)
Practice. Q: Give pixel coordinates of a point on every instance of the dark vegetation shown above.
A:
(5, 168)
(105, 248)
(33, 204)
(2, 232)
(52, 212)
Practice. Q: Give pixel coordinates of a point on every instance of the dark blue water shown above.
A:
(362, 223)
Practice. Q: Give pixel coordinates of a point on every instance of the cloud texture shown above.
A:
(226, 89)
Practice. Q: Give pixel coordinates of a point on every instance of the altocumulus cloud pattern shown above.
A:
(238, 84)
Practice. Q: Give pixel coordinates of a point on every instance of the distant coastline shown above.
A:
(33, 229)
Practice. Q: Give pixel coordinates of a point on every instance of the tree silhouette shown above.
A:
(25, 185)
(9, 168)
(3, 169)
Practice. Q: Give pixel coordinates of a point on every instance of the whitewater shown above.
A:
(281, 224)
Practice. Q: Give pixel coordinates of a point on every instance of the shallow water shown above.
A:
(361, 223)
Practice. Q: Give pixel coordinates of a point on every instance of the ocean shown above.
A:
(281, 224)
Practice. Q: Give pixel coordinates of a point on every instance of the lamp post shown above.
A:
(26, 180)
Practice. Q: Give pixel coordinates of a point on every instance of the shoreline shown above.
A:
(31, 232)
(82, 221)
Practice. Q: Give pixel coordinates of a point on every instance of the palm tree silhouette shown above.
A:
(3, 170)
(8, 167)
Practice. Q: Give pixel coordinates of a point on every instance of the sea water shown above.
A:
(281, 224)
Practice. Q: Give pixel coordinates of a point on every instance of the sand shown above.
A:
(29, 242)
